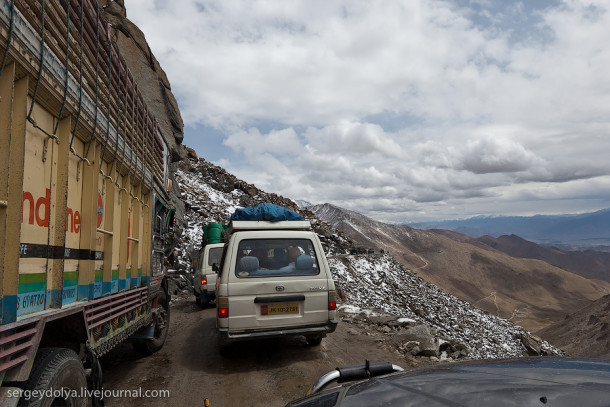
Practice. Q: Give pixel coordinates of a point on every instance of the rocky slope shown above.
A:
(380, 284)
(529, 292)
(153, 85)
(585, 333)
(377, 293)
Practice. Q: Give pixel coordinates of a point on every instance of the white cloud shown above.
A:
(357, 138)
(252, 143)
(488, 155)
(433, 107)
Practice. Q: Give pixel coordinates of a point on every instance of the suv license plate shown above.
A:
(278, 309)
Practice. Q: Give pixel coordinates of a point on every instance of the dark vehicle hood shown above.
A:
(518, 382)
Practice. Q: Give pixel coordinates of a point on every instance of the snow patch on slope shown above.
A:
(380, 283)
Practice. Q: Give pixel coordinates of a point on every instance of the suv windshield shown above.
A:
(276, 257)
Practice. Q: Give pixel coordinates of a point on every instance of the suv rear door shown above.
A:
(268, 290)
(213, 254)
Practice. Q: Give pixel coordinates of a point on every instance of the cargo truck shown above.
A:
(84, 216)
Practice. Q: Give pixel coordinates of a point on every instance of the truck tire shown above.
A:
(151, 346)
(55, 369)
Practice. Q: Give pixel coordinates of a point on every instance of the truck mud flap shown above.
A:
(145, 333)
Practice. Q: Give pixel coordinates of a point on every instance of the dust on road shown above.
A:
(256, 373)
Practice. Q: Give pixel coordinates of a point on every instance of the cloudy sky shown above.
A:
(404, 110)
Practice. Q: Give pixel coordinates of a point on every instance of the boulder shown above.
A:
(190, 153)
(532, 343)
(411, 347)
(454, 349)
(429, 345)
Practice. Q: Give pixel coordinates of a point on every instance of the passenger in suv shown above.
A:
(274, 281)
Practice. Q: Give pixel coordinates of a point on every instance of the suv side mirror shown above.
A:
(216, 267)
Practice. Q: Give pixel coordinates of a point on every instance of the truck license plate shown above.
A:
(278, 309)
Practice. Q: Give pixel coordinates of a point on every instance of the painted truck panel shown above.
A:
(84, 220)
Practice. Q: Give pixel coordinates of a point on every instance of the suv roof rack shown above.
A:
(266, 225)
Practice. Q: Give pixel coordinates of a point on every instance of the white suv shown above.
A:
(274, 281)
(204, 283)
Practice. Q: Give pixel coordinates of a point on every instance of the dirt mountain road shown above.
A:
(256, 373)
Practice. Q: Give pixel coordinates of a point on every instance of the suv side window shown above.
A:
(215, 255)
(276, 257)
(200, 266)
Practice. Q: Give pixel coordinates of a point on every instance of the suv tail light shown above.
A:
(332, 301)
(222, 304)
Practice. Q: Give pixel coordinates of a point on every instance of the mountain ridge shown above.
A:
(530, 292)
(578, 230)
(587, 263)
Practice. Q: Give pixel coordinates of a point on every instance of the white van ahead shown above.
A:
(204, 283)
(274, 281)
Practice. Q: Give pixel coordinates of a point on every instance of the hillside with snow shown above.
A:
(378, 283)
(210, 194)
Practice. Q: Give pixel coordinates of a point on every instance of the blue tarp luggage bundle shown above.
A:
(266, 211)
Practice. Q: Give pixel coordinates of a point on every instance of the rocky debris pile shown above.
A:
(406, 335)
(211, 194)
(333, 240)
(422, 319)
(179, 280)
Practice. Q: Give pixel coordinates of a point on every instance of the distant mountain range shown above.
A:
(583, 230)
(527, 291)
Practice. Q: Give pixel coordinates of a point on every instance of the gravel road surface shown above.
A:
(256, 373)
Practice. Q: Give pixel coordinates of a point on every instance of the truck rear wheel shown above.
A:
(59, 372)
(151, 346)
